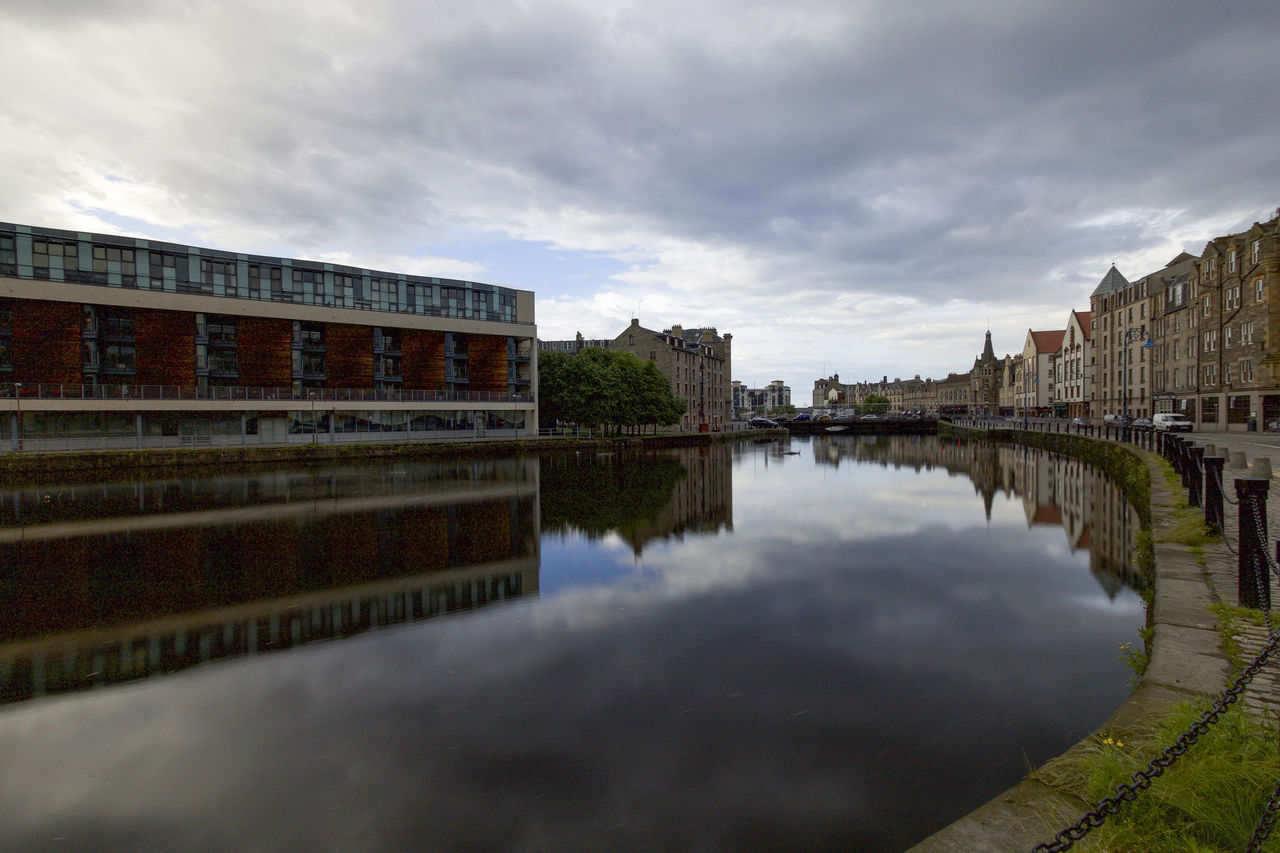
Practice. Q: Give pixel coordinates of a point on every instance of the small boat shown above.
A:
(840, 428)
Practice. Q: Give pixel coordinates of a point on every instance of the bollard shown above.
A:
(1254, 588)
(1261, 468)
(1238, 461)
(1213, 517)
(1195, 486)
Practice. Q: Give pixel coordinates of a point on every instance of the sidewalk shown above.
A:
(1186, 664)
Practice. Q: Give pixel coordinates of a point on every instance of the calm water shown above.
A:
(836, 643)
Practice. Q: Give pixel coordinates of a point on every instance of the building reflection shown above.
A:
(203, 570)
(1054, 489)
(642, 498)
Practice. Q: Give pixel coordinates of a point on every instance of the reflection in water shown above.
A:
(729, 649)
(647, 496)
(203, 569)
(1056, 490)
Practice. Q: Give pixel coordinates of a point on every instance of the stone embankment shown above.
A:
(1186, 663)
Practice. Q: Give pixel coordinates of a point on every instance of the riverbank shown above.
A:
(42, 467)
(1185, 657)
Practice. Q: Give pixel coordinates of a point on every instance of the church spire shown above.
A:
(987, 353)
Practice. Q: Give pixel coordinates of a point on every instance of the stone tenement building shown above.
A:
(1199, 336)
(144, 341)
(696, 361)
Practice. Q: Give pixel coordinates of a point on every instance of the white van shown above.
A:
(1171, 421)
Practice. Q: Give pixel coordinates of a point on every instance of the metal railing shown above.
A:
(233, 393)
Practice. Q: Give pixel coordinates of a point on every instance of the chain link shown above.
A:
(1127, 793)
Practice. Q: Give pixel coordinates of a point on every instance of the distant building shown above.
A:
(776, 393)
(1035, 393)
(696, 361)
(984, 382)
(573, 347)
(1073, 368)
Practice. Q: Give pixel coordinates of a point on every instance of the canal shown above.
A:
(814, 643)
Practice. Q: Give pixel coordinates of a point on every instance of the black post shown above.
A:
(1183, 468)
(1213, 493)
(1254, 587)
(1194, 487)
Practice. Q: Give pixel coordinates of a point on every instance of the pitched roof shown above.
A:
(1047, 341)
(1085, 319)
(1111, 282)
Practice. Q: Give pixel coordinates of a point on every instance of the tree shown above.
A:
(874, 404)
(602, 388)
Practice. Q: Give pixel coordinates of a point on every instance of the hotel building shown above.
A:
(110, 341)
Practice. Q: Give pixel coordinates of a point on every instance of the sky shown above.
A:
(858, 187)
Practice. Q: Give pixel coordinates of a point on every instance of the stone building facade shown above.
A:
(698, 364)
(1073, 367)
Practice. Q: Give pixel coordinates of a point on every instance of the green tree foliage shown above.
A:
(787, 409)
(874, 404)
(601, 388)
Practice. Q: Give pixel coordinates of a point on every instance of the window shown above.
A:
(344, 289)
(1259, 291)
(1206, 306)
(1246, 332)
(1226, 374)
(1210, 340)
(1226, 337)
(309, 285)
(1231, 260)
(54, 255)
(1246, 370)
(1255, 251)
(1210, 374)
(1209, 265)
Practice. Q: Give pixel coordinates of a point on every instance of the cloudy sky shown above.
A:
(849, 186)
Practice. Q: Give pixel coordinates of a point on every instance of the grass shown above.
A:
(1209, 800)
(1188, 528)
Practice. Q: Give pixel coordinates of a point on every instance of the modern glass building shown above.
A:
(109, 341)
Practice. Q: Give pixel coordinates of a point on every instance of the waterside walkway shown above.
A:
(1186, 663)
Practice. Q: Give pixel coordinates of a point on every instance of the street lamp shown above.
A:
(1130, 335)
(315, 429)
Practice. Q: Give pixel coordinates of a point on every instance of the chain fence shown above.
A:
(1142, 779)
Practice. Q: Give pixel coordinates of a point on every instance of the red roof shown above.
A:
(1048, 341)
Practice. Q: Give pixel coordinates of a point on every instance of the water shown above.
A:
(837, 643)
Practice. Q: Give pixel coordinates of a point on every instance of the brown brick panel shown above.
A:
(166, 342)
(488, 363)
(264, 352)
(422, 360)
(46, 342)
(348, 356)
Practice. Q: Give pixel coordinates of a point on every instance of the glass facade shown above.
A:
(46, 254)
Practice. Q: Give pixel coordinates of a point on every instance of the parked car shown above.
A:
(1142, 423)
(761, 423)
(1171, 422)
(1117, 419)
(802, 417)
(1080, 422)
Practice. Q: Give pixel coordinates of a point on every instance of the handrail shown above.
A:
(233, 393)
